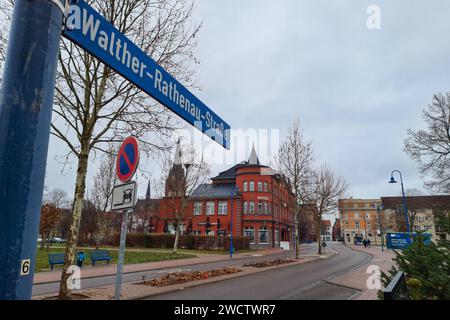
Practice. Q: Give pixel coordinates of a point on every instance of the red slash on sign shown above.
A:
(127, 159)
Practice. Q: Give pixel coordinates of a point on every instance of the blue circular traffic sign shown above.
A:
(127, 159)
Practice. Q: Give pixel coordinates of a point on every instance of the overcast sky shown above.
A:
(356, 91)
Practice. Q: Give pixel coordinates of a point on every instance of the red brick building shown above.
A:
(249, 199)
(337, 234)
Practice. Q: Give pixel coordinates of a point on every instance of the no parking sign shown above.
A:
(127, 159)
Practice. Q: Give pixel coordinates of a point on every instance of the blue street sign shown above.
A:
(402, 240)
(91, 31)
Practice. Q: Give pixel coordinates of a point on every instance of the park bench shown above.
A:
(55, 258)
(100, 255)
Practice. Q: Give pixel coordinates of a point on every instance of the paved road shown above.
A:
(301, 282)
(48, 288)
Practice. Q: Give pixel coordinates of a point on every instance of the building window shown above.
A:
(357, 225)
(197, 208)
(250, 233)
(245, 186)
(260, 207)
(263, 235)
(252, 207)
(210, 208)
(252, 186)
(266, 187)
(260, 188)
(223, 207)
(245, 207)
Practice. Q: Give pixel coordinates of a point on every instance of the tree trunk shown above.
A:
(319, 235)
(297, 240)
(177, 236)
(80, 187)
(42, 240)
(49, 234)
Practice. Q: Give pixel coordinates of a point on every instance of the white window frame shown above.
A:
(245, 209)
(208, 206)
(251, 230)
(260, 186)
(197, 209)
(252, 186)
(251, 207)
(260, 232)
(221, 211)
(245, 186)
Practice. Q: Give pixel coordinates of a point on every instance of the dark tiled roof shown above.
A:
(209, 191)
(231, 173)
(420, 202)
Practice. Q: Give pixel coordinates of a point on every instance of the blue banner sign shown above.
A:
(401, 240)
(92, 32)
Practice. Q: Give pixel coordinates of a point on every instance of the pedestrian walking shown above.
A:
(365, 243)
(368, 242)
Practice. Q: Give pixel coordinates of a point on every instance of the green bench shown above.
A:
(100, 255)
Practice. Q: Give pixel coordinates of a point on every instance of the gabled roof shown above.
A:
(230, 174)
(253, 159)
(214, 191)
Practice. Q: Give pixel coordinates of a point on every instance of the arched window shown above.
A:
(263, 235)
(250, 232)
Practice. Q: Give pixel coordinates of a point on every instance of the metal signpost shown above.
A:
(26, 99)
(124, 197)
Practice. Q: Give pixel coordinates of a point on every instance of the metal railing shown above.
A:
(396, 290)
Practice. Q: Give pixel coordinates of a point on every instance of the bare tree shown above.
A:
(50, 215)
(324, 190)
(101, 194)
(194, 171)
(431, 147)
(95, 106)
(295, 160)
(6, 9)
(57, 197)
(412, 212)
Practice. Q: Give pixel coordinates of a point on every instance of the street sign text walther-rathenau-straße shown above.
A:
(91, 31)
(26, 97)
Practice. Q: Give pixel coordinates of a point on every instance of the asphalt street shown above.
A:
(301, 282)
(47, 288)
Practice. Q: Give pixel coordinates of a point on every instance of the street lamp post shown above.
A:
(233, 193)
(408, 227)
(380, 226)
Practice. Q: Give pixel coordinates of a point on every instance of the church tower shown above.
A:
(175, 180)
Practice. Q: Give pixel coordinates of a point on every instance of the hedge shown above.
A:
(166, 241)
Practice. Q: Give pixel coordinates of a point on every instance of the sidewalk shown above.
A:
(111, 269)
(136, 290)
(357, 278)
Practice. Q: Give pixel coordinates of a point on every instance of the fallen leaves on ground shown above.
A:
(268, 263)
(183, 277)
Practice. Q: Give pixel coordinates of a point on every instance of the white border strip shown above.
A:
(61, 6)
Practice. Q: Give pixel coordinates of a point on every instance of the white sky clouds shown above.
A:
(356, 91)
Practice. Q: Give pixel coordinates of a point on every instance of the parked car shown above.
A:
(58, 240)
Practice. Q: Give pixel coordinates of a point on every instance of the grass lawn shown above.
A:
(131, 257)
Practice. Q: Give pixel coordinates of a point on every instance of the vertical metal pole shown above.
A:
(231, 225)
(123, 238)
(26, 99)
(408, 227)
(381, 228)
